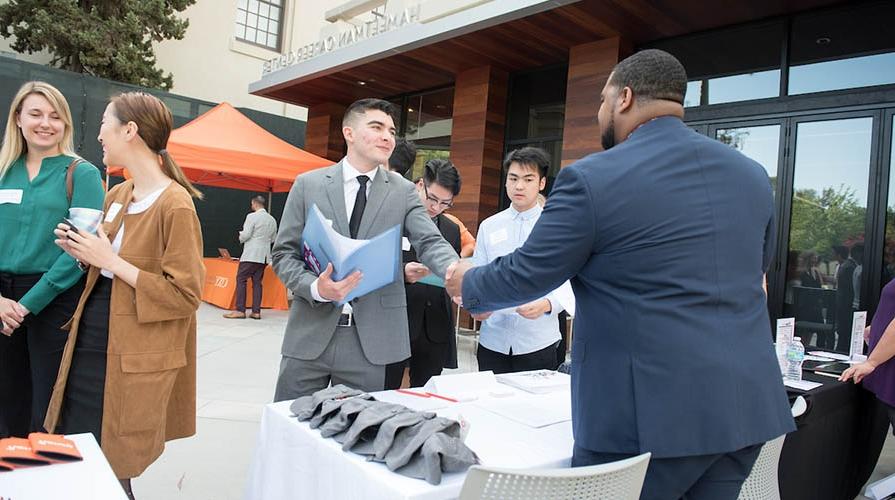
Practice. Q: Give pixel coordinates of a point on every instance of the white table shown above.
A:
(90, 479)
(293, 461)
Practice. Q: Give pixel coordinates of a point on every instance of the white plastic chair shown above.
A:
(620, 480)
(762, 481)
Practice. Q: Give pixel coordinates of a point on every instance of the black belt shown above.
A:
(346, 320)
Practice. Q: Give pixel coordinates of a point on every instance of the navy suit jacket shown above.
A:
(665, 238)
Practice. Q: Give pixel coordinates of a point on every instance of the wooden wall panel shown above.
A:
(324, 131)
(589, 67)
(480, 102)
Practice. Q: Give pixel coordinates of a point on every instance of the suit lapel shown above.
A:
(378, 193)
(335, 191)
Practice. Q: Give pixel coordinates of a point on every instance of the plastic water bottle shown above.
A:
(795, 354)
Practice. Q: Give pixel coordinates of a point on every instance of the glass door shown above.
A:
(830, 160)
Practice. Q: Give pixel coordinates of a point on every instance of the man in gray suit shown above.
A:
(355, 344)
(258, 232)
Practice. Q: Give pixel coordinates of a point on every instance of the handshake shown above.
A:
(453, 283)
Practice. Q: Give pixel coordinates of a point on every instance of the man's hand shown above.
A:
(336, 291)
(534, 310)
(867, 335)
(414, 271)
(453, 279)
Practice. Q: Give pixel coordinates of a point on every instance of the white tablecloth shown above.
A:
(90, 479)
(292, 461)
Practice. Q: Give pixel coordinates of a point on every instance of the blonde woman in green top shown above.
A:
(39, 283)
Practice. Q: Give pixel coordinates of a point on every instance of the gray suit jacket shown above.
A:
(381, 316)
(258, 232)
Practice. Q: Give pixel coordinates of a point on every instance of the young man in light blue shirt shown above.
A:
(526, 337)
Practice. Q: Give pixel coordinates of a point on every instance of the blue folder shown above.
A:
(378, 258)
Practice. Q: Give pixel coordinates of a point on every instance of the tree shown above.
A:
(820, 221)
(105, 38)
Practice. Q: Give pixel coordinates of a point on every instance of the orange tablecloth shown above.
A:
(220, 286)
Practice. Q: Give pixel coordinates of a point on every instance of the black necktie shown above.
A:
(360, 201)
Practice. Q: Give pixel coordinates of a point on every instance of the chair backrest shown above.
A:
(620, 480)
(762, 481)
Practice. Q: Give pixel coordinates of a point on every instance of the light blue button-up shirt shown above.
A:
(499, 235)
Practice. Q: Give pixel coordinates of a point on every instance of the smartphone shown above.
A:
(71, 225)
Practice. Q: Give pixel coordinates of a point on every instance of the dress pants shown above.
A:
(246, 270)
(82, 406)
(30, 357)
(701, 477)
(342, 362)
(498, 362)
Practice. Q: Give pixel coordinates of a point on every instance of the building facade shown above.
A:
(806, 88)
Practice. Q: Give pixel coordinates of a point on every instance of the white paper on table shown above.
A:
(803, 385)
(809, 357)
(533, 411)
(829, 355)
(463, 386)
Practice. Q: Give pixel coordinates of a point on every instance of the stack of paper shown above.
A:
(536, 381)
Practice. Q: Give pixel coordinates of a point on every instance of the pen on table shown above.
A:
(411, 393)
(439, 396)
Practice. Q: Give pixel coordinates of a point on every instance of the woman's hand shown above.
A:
(858, 372)
(95, 250)
(11, 314)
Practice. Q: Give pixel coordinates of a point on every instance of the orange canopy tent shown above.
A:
(224, 148)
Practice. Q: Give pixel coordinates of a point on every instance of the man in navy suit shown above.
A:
(666, 236)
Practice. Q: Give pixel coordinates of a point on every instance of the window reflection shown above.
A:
(429, 118)
(889, 250)
(864, 71)
(761, 143)
(744, 87)
(829, 210)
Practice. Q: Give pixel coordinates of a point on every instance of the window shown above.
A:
(843, 49)
(731, 65)
(258, 22)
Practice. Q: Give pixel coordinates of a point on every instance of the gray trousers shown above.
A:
(342, 362)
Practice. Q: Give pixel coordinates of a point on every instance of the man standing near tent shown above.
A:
(258, 232)
(352, 344)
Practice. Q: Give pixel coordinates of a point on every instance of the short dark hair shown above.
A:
(857, 251)
(841, 251)
(259, 199)
(651, 74)
(444, 173)
(361, 106)
(531, 157)
(403, 156)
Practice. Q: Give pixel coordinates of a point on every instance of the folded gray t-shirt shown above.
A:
(440, 453)
(306, 407)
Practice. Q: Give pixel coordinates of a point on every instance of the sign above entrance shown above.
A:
(383, 23)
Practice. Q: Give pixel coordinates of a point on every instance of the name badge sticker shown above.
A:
(499, 236)
(113, 212)
(405, 244)
(13, 196)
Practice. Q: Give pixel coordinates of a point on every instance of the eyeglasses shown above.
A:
(443, 204)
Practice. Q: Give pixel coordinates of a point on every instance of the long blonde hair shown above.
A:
(154, 125)
(14, 142)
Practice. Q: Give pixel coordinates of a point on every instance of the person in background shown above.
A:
(527, 337)
(845, 296)
(857, 255)
(41, 177)
(258, 232)
(430, 312)
(128, 373)
(401, 161)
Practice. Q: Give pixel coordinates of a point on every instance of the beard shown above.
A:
(607, 135)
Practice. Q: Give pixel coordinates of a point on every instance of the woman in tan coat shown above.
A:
(128, 373)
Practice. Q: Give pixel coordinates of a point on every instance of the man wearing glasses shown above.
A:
(525, 337)
(430, 312)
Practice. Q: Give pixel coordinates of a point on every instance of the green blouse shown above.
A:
(26, 226)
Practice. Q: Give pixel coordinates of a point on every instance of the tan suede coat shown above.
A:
(150, 390)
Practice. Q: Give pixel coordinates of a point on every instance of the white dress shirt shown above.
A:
(499, 235)
(351, 186)
(135, 207)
